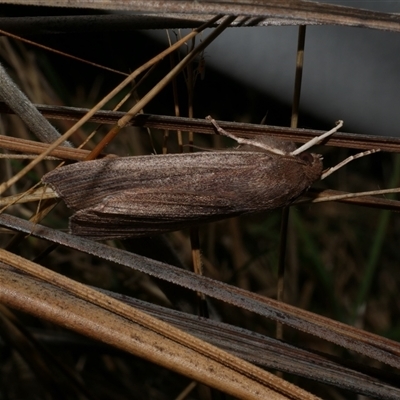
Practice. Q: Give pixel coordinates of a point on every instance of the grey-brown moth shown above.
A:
(147, 195)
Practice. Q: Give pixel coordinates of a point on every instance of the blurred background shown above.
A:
(349, 73)
(342, 260)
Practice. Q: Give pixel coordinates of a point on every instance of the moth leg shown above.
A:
(223, 132)
(329, 171)
(317, 139)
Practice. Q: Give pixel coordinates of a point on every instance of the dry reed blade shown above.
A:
(252, 12)
(270, 353)
(97, 315)
(245, 130)
(32, 147)
(374, 346)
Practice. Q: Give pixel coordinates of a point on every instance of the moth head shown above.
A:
(309, 158)
(312, 165)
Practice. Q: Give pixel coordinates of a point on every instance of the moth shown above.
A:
(148, 195)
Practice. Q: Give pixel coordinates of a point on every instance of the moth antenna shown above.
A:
(346, 161)
(263, 146)
(355, 195)
(317, 139)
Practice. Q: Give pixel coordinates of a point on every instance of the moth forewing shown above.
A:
(139, 196)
